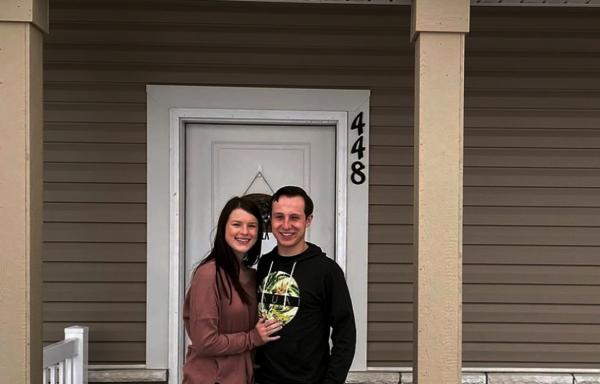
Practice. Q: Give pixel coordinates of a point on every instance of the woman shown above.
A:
(220, 306)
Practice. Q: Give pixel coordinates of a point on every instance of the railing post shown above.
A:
(80, 362)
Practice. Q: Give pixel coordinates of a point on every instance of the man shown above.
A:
(307, 292)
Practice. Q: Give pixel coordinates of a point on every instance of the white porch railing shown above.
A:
(65, 362)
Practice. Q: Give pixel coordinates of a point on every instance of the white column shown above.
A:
(438, 30)
(21, 25)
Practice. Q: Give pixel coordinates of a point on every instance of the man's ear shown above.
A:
(309, 220)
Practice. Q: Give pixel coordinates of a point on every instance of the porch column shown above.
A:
(22, 23)
(438, 30)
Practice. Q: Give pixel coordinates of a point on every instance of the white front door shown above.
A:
(226, 160)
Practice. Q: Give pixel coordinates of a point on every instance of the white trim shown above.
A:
(168, 108)
(341, 195)
(176, 263)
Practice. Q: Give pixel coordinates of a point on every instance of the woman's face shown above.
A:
(241, 231)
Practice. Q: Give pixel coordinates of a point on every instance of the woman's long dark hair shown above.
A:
(223, 255)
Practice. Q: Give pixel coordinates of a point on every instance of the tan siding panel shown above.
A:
(522, 216)
(531, 294)
(117, 352)
(540, 216)
(99, 331)
(387, 352)
(92, 272)
(94, 292)
(391, 273)
(537, 61)
(94, 312)
(390, 253)
(530, 196)
(390, 293)
(532, 274)
(500, 157)
(532, 333)
(235, 74)
(390, 155)
(539, 354)
(95, 212)
(503, 314)
(307, 58)
(497, 333)
(390, 331)
(533, 255)
(95, 232)
(529, 80)
(69, 132)
(94, 173)
(533, 157)
(253, 15)
(148, 34)
(543, 20)
(90, 92)
(390, 234)
(529, 177)
(390, 175)
(95, 252)
(95, 153)
(528, 313)
(390, 195)
(390, 214)
(95, 112)
(95, 193)
(554, 118)
(391, 116)
(517, 136)
(391, 135)
(390, 312)
(532, 98)
(515, 235)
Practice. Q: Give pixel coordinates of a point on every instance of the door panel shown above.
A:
(225, 160)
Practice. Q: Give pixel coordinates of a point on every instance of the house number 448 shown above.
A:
(358, 148)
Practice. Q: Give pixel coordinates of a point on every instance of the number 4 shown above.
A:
(358, 147)
(358, 123)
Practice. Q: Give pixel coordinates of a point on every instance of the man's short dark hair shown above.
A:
(293, 191)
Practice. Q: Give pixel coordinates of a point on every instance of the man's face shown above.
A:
(289, 224)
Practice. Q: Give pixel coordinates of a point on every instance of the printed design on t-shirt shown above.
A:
(279, 297)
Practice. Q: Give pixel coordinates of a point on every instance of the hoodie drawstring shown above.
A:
(262, 294)
(285, 295)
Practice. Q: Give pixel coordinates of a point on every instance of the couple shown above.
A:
(302, 294)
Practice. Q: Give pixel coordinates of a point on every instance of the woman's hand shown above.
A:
(266, 328)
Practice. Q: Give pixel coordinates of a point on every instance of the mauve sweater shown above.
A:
(222, 334)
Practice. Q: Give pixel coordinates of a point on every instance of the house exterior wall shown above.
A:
(532, 146)
(531, 162)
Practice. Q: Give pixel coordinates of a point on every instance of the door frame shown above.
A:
(170, 108)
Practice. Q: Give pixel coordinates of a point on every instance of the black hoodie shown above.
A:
(308, 293)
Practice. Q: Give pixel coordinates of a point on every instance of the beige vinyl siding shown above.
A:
(98, 59)
(531, 161)
(532, 189)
